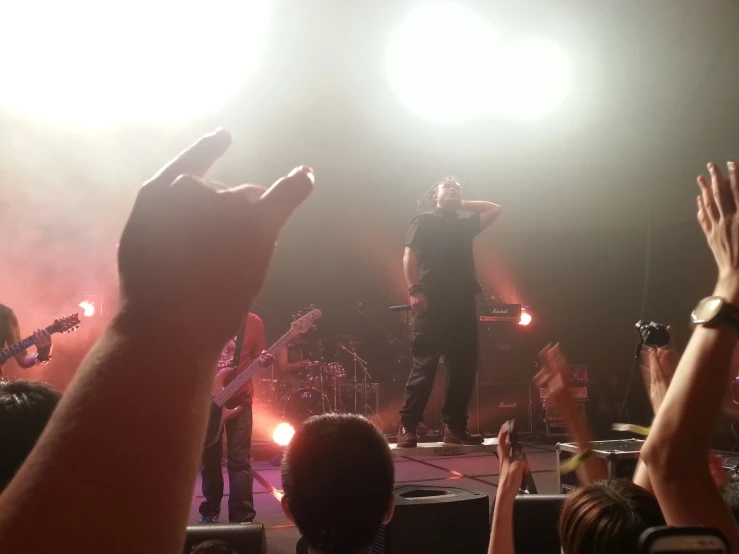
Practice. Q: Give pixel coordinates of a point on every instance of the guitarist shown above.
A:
(10, 333)
(239, 352)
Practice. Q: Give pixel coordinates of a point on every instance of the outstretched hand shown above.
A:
(511, 470)
(657, 372)
(717, 216)
(181, 230)
(554, 374)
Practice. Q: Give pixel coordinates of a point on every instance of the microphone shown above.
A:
(401, 308)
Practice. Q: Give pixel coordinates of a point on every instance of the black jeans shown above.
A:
(449, 329)
(241, 497)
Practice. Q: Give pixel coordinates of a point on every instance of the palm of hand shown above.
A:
(717, 215)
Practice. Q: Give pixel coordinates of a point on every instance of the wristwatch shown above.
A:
(713, 311)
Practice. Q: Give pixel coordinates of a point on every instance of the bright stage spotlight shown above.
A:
(537, 79)
(88, 307)
(103, 64)
(525, 318)
(439, 62)
(283, 434)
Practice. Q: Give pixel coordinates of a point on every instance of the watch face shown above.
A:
(707, 309)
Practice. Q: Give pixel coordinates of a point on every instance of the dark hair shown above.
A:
(337, 476)
(25, 409)
(730, 494)
(213, 546)
(423, 203)
(607, 517)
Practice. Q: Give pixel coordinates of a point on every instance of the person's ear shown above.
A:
(390, 510)
(286, 509)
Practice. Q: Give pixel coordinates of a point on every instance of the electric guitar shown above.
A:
(222, 394)
(60, 325)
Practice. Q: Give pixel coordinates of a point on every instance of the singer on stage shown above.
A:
(440, 270)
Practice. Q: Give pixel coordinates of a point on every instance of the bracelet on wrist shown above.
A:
(415, 289)
(576, 461)
(44, 360)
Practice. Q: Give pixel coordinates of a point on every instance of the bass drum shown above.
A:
(298, 406)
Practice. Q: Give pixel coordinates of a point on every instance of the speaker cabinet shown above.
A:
(431, 520)
(506, 353)
(499, 402)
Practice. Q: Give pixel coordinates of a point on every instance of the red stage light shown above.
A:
(283, 434)
(89, 308)
(525, 318)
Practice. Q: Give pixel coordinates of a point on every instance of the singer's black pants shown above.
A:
(448, 328)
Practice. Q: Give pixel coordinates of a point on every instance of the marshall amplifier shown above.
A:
(493, 313)
(499, 402)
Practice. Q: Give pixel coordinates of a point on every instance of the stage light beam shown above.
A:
(439, 62)
(525, 318)
(537, 79)
(102, 64)
(283, 434)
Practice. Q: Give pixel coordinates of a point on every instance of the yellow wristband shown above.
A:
(630, 428)
(578, 459)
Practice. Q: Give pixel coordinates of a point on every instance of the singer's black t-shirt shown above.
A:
(443, 241)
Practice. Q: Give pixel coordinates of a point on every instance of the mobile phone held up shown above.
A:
(516, 446)
(676, 540)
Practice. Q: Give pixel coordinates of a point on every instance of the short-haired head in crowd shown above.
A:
(338, 476)
(25, 409)
(730, 494)
(607, 517)
(213, 546)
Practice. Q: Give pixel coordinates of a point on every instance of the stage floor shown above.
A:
(472, 471)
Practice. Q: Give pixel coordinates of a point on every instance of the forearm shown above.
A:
(681, 434)
(410, 267)
(127, 385)
(592, 469)
(26, 360)
(501, 533)
(479, 206)
(291, 367)
(682, 430)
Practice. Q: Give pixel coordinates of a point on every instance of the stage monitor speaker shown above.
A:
(248, 538)
(431, 520)
(499, 402)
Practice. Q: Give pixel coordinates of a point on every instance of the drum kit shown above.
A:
(323, 386)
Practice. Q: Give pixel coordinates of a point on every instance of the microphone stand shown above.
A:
(358, 362)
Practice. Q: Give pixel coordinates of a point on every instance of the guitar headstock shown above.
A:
(65, 324)
(305, 320)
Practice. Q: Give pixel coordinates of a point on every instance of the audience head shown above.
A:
(607, 517)
(730, 494)
(337, 476)
(25, 409)
(213, 546)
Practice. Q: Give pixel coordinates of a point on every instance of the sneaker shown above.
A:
(407, 437)
(461, 436)
(241, 521)
(208, 520)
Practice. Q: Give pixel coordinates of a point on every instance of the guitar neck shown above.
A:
(20, 346)
(255, 367)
